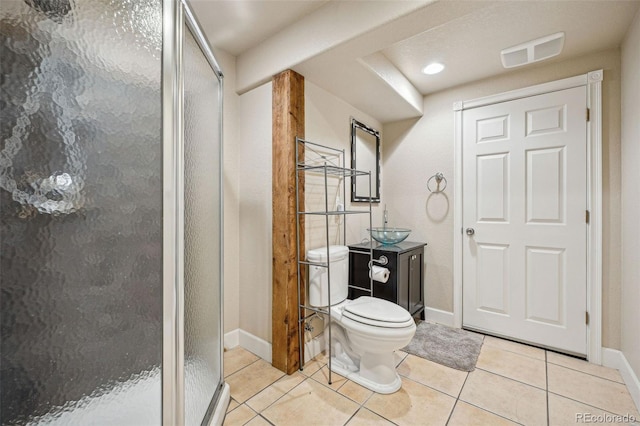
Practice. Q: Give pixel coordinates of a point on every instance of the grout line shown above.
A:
(431, 387)
(360, 405)
(231, 411)
(261, 389)
(242, 368)
(491, 412)
(589, 374)
(406, 355)
(265, 419)
(511, 378)
(452, 410)
(588, 405)
(474, 405)
(370, 396)
(379, 415)
(428, 386)
(322, 365)
(326, 382)
(353, 415)
(277, 399)
(246, 406)
(514, 352)
(546, 358)
(546, 361)
(546, 377)
(463, 383)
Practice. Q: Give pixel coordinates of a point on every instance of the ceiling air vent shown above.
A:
(533, 51)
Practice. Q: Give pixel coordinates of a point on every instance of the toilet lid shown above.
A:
(377, 312)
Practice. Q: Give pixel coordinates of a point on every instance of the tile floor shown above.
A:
(512, 384)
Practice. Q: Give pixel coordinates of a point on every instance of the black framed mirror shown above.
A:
(365, 156)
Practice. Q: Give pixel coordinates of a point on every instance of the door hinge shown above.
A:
(586, 318)
(588, 114)
(587, 216)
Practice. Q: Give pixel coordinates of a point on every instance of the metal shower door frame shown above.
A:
(174, 14)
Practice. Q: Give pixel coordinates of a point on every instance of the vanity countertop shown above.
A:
(398, 248)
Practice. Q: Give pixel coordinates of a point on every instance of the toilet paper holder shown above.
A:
(382, 261)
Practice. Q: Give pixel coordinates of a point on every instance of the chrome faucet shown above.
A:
(385, 217)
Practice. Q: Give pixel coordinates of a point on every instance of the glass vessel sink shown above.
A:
(388, 235)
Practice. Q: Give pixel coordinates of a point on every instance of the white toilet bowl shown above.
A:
(365, 332)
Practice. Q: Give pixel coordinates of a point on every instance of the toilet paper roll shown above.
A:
(378, 273)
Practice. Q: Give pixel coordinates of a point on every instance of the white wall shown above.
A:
(327, 121)
(630, 339)
(416, 149)
(231, 190)
(255, 211)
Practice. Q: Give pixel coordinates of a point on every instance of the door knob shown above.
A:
(470, 231)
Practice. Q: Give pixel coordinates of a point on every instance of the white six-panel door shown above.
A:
(524, 207)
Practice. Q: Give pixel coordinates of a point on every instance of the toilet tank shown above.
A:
(339, 270)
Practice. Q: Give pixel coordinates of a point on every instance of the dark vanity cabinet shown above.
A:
(405, 264)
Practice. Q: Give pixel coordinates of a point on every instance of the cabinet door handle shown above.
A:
(414, 257)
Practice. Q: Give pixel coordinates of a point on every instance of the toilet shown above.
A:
(364, 332)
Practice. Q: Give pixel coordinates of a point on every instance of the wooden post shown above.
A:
(288, 122)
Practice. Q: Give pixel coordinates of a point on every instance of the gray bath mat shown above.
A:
(453, 347)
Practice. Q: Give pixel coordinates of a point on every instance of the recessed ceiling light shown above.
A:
(433, 68)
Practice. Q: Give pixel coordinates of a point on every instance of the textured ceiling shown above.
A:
(238, 25)
(470, 46)
(382, 57)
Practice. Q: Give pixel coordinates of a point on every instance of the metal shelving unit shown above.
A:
(323, 167)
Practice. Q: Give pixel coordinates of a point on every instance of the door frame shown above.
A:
(593, 83)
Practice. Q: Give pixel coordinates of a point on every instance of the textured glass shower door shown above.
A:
(202, 233)
(110, 251)
(81, 212)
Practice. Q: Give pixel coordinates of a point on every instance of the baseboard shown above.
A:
(256, 345)
(262, 348)
(614, 358)
(232, 339)
(438, 316)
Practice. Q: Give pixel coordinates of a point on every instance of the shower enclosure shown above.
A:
(110, 215)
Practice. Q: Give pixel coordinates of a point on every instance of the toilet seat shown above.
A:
(377, 313)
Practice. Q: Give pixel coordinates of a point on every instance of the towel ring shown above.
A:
(439, 177)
